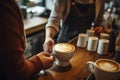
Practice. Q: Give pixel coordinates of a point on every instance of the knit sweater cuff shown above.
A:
(37, 63)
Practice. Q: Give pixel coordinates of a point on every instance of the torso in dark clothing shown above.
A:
(13, 65)
(78, 21)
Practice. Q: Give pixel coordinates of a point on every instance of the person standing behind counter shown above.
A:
(13, 65)
(74, 17)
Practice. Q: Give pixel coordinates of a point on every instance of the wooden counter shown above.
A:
(35, 32)
(34, 24)
(78, 69)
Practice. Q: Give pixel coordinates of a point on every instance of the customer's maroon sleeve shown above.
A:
(13, 65)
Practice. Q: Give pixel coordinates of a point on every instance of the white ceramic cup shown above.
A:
(82, 40)
(63, 52)
(90, 32)
(92, 43)
(104, 36)
(104, 69)
(103, 47)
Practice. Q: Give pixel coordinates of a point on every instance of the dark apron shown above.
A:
(79, 19)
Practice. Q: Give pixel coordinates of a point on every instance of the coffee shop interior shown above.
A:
(36, 14)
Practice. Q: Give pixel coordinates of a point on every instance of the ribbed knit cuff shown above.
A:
(37, 63)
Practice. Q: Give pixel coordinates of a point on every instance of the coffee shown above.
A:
(104, 69)
(64, 48)
(108, 65)
(63, 53)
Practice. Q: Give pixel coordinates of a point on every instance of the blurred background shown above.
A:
(42, 9)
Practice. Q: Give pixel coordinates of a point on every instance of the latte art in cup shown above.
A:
(108, 66)
(64, 47)
(63, 52)
(104, 69)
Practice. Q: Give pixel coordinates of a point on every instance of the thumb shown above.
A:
(52, 58)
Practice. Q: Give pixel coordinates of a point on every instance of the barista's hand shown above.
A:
(48, 44)
(98, 29)
(46, 58)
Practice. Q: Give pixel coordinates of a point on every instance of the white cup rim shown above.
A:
(104, 40)
(66, 51)
(104, 34)
(90, 30)
(93, 38)
(83, 34)
(107, 60)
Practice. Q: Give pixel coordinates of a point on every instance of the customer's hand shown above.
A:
(48, 44)
(46, 58)
(98, 29)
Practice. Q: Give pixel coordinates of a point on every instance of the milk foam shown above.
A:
(108, 66)
(63, 47)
